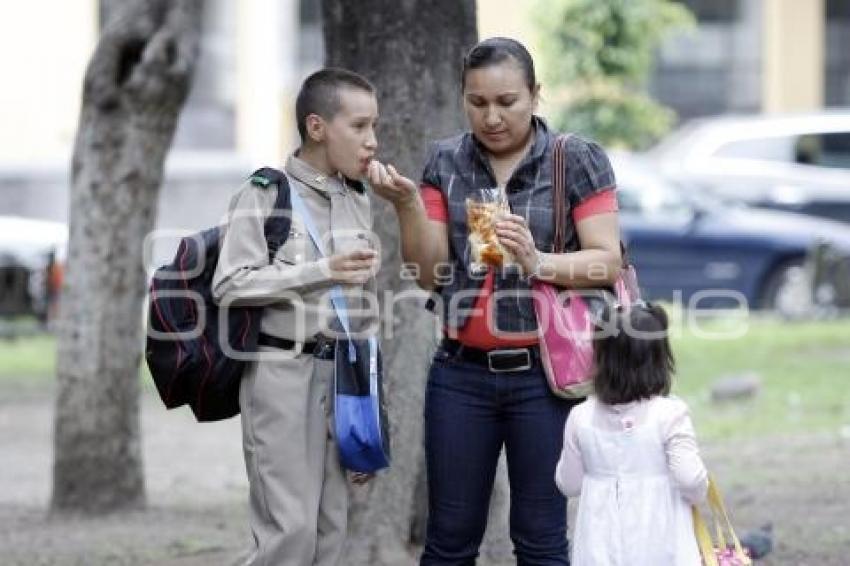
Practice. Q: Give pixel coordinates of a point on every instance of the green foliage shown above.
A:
(597, 55)
(589, 39)
(617, 120)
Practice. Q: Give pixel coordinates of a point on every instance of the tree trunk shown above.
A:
(135, 86)
(412, 52)
(106, 10)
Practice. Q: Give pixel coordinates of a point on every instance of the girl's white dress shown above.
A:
(637, 468)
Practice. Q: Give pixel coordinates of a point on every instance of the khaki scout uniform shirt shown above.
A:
(298, 490)
(294, 287)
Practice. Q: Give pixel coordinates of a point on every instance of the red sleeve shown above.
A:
(600, 203)
(435, 203)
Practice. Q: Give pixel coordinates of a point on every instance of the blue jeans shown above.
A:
(470, 413)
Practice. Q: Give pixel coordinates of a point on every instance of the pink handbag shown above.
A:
(564, 316)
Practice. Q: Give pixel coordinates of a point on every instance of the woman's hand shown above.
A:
(514, 234)
(389, 184)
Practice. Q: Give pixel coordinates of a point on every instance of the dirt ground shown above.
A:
(197, 494)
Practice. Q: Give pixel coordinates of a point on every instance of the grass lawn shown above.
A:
(30, 359)
(803, 367)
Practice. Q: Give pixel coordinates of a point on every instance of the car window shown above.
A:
(652, 201)
(779, 148)
(820, 149)
(824, 150)
(628, 199)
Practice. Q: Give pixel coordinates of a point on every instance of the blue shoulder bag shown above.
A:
(360, 419)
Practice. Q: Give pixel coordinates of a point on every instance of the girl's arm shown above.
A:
(683, 458)
(569, 473)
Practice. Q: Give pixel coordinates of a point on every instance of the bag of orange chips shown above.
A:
(481, 217)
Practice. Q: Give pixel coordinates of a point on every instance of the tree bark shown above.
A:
(412, 51)
(134, 88)
(106, 10)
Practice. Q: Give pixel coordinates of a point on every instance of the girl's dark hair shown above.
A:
(632, 354)
(495, 50)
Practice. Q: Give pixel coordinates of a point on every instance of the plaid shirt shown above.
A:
(458, 167)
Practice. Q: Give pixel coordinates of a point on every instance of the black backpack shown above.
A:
(188, 362)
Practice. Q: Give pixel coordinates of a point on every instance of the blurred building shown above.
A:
(757, 55)
(253, 57)
(254, 54)
(745, 55)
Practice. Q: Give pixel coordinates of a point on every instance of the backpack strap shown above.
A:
(279, 221)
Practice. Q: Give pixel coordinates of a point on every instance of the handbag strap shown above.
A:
(559, 196)
(337, 297)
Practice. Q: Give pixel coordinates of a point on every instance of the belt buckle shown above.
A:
(523, 367)
(324, 347)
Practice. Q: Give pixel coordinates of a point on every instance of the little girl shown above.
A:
(631, 453)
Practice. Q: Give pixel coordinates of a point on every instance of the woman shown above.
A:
(486, 387)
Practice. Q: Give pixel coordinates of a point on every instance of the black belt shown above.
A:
(497, 361)
(322, 349)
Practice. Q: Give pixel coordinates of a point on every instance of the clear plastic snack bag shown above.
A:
(483, 210)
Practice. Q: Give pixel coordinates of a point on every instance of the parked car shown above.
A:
(32, 253)
(692, 247)
(799, 163)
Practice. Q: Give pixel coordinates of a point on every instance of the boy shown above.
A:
(298, 491)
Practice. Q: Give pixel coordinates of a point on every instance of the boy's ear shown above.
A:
(315, 126)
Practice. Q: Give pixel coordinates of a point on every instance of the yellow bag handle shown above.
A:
(722, 525)
(706, 545)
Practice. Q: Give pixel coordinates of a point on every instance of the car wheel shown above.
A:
(787, 291)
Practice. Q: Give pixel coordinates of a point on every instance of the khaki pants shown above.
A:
(298, 491)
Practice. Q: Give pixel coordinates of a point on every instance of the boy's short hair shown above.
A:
(319, 94)
(632, 354)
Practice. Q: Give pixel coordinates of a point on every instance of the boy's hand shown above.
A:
(353, 268)
(359, 478)
(388, 183)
